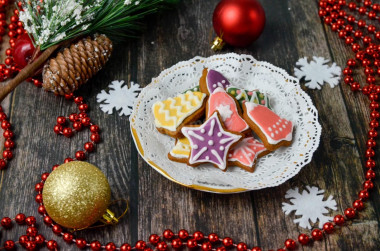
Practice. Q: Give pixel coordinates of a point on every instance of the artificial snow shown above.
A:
(316, 72)
(310, 205)
(119, 97)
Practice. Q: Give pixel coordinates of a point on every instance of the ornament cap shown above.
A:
(109, 218)
(218, 44)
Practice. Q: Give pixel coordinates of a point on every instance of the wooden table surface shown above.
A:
(293, 30)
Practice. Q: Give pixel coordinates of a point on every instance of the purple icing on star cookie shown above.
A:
(210, 142)
(215, 79)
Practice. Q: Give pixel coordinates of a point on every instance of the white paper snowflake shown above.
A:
(309, 205)
(119, 97)
(317, 72)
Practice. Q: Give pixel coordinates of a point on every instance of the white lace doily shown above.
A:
(287, 99)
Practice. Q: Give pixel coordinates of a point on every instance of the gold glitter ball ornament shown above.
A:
(76, 194)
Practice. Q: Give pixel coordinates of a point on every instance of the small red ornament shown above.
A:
(23, 50)
(238, 22)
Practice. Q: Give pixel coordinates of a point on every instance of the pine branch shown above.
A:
(50, 22)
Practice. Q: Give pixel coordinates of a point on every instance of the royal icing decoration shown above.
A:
(246, 152)
(220, 101)
(182, 149)
(254, 96)
(170, 113)
(210, 143)
(194, 89)
(275, 128)
(214, 80)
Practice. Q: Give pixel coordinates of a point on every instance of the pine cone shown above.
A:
(74, 66)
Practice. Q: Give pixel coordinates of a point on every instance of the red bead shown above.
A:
(9, 144)
(355, 86)
(77, 126)
(95, 138)
(6, 222)
(370, 163)
(352, 6)
(30, 245)
(162, 246)
(96, 246)
(82, 115)
(125, 247)
(370, 175)
(52, 245)
(73, 117)
(40, 239)
(67, 237)
(372, 97)
(191, 243)
(303, 239)
(371, 28)
(8, 134)
(362, 23)
(67, 160)
(110, 246)
(368, 184)
(183, 234)
(94, 128)
(89, 147)
(78, 100)
(373, 124)
(154, 239)
(362, 10)
(350, 213)
(198, 236)
(48, 220)
(14, 19)
(351, 62)
(176, 243)
(58, 129)
(328, 20)
(69, 96)
(213, 238)
(7, 154)
(86, 121)
(81, 243)
(44, 176)
(256, 249)
(372, 133)
(206, 246)
(30, 220)
(61, 120)
(168, 234)
(241, 246)
(227, 242)
(374, 105)
(39, 186)
(328, 227)
(141, 245)
(342, 33)
(41, 210)
(290, 244)
(358, 205)
(39, 198)
(339, 220)
(57, 229)
(83, 107)
(31, 231)
(23, 239)
(348, 79)
(347, 71)
(20, 219)
(363, 194)
(67, 132)
(80, 155)
(349, 40)
(9, 245)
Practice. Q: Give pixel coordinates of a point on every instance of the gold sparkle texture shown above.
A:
(76, 194)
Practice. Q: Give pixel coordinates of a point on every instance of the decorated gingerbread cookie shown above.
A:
(172, 114)
(246, 152)
(181, 151)
(211, 80)
(273, 130)
(228, 109)
(210, 142)
(254, 96)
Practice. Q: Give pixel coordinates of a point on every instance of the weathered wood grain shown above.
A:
(293, 30)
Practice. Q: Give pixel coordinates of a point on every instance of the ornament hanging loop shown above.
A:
(218, 44)
(109, 218)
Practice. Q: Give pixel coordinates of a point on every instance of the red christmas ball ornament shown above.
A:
(237, 22)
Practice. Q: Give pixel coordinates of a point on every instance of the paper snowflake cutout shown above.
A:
(310, 205)
(316, 73)
(119, 97)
